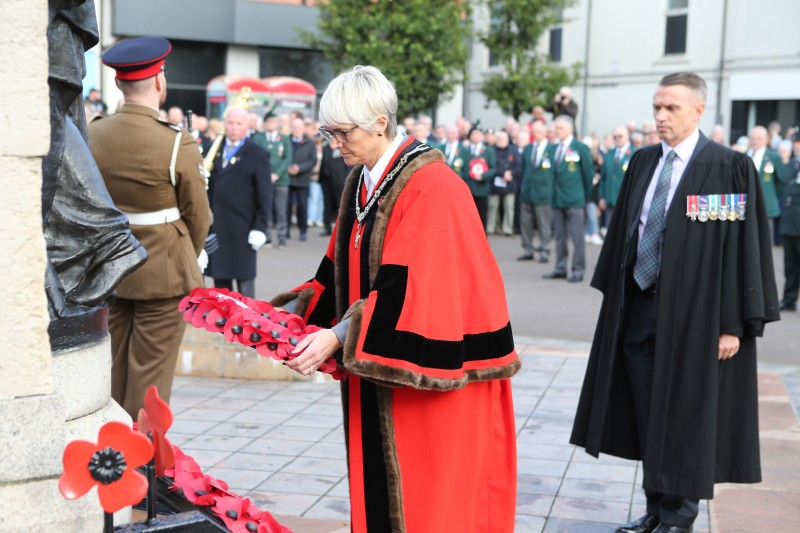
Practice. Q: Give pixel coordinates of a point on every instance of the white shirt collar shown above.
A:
(371, 176)
(685, 148)
(567, 141)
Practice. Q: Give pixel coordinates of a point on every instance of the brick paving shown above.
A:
(281, 444)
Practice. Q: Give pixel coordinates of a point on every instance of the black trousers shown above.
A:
(483, 205)
(639, 344)
(791, 269)
(332, 198)
(299, 196)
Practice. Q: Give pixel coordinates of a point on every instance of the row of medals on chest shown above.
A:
(716, 207)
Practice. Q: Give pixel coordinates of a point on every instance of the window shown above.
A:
(677, 17)
(495, 26)
(555, 37)
(555, 44)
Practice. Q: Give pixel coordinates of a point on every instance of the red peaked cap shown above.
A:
(138, 58)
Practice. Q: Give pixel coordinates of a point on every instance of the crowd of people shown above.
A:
(521, 181)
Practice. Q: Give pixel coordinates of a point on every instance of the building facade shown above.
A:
(254, 38)
(748, 51)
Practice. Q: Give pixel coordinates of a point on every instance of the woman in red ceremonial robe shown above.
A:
(417, 314)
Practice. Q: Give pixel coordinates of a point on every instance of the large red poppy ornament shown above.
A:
(110, 464)
(271, 332)
(155, 418)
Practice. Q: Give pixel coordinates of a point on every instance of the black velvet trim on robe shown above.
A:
(384, 339)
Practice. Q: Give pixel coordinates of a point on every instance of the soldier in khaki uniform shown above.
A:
(154, 173)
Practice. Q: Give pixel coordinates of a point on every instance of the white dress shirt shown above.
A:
(683, 152)
(758, 157)
(372, 175)
(451, 150)
(563, 146)
(540, 148)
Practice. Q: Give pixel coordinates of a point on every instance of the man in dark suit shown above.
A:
(687, 281)
(790, 232)
(504, 185)
(304, 157)
(240, 193)
(332, 173)
(574, 172)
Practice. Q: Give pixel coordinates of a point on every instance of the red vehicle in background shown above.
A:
(279, 94)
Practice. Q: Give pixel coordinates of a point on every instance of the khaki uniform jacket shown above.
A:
(133, 149)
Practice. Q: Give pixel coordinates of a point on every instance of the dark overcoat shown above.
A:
(240, 196)
(716, 277)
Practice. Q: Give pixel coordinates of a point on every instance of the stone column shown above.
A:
(37, 395)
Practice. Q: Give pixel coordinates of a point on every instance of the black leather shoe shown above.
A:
(525, 257)
(575, 278)
(543, 258)
(646, 524)
(663, 528)
(555, 275)
(787, 307)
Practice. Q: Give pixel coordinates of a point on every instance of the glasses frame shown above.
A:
(339, 135)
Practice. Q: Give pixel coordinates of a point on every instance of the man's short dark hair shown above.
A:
(687, 79)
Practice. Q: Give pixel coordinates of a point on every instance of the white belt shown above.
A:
(170, 214)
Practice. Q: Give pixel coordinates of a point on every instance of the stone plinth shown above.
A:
(206, 354)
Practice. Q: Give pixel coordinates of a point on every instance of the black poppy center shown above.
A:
(107, 465)
(251, 526)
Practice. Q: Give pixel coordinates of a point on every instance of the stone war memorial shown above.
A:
(66, 249)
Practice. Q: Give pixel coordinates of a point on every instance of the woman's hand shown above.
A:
(314, 350)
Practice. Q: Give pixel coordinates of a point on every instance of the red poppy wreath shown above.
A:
(270, 331)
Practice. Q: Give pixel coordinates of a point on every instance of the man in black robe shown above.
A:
(671, 378)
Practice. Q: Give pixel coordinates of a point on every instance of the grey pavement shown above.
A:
(281, 443)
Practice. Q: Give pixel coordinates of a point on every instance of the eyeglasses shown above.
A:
(339, 135)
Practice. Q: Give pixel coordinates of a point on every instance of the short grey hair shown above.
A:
(566, 119)
(360, 96)
(689, 80)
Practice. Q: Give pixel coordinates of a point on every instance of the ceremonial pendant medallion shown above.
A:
(702, 215)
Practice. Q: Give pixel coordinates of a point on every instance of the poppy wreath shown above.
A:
(270, 331)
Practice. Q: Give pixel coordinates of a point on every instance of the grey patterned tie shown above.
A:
(645, 271)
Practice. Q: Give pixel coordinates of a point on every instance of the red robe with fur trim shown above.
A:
(428, 407)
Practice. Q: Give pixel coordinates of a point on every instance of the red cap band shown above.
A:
(142, 74)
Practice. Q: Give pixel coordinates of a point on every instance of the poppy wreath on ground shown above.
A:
(271, 332)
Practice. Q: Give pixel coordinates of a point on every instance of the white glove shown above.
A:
(256, 239)
(202, 260)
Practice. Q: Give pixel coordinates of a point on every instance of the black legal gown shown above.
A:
(716, 277)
